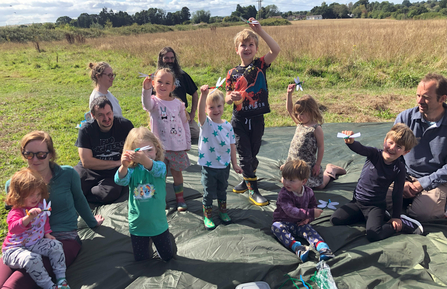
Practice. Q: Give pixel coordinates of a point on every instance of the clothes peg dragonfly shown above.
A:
(46, 208)
(298, 83)
(146, 75)
(345, 136)
(329, 204)
(218, 84)
(248, 21)
(145, 148)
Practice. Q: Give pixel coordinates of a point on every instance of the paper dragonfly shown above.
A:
(218, 84)
(298, 83)
(146, 75)
(46, 208)
(248, 21)
(145, 148)
(329, 204)
(345, 136)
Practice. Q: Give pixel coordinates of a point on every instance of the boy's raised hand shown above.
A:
(147, 83)
(291, 88)
(204, 89)
(256, 27)
(348, 140)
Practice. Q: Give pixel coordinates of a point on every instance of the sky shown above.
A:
(17, 12)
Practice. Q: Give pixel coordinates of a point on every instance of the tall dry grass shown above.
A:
(402, 42)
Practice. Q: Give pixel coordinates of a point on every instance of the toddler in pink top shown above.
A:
(29, 231)
(169, 123)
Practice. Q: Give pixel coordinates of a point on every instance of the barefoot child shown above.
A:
(296, 207)
(216, 151)
(170, 125)
(247, 90)
(308, 142)
(143, 170)
(29, 231)
(382, 167)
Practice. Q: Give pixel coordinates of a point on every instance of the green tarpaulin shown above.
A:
(246, 251)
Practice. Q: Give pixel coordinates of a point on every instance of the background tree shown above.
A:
(201, 16)
(61, 21)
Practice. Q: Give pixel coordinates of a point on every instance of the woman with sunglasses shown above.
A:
(102, 74)
(67, 201)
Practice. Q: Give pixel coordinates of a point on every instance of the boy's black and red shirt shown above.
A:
(251, 81)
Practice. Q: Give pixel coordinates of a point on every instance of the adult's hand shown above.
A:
(416, 187)
(410, 189)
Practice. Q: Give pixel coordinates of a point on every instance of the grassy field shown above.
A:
(359, 71)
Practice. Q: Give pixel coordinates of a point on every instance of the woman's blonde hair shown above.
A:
(97, 69)
(307, 104)
(136, 136)
(23, 183)
(42, 136)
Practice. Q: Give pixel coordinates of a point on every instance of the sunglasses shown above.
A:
(111, 75)
(39, 155)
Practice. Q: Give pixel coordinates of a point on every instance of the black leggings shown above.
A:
(142, 247)
(355, 212)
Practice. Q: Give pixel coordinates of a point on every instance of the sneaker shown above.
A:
(411, 226)
(62, 284)
(326, 254)
(302, 252)
(181, 206)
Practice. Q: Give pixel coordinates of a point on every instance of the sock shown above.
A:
(321, 245)
(295, 245)
(178, 191)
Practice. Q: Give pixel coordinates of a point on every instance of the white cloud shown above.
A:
(40, 11)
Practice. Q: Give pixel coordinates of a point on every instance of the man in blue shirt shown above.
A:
(426, 164)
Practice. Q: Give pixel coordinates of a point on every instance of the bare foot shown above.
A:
(333, 171)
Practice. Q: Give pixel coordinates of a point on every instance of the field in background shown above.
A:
(358, 70)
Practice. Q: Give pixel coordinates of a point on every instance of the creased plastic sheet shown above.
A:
(246, 251)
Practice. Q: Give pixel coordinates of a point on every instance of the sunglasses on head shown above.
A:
(39, 155)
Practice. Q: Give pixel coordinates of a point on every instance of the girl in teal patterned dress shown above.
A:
(143, 170)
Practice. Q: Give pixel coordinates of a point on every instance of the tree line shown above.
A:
(381, 10)
(361, 9)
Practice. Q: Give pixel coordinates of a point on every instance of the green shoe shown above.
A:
(209, 224)
(225, 218)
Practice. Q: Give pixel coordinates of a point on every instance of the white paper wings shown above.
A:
(46, 208)
(329, 204)
(342, 135)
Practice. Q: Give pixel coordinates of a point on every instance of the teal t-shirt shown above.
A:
(147, 199)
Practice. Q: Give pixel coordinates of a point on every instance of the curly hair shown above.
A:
(24, 183)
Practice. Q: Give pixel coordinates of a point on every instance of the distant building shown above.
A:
(314, 17)
(296, 17)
